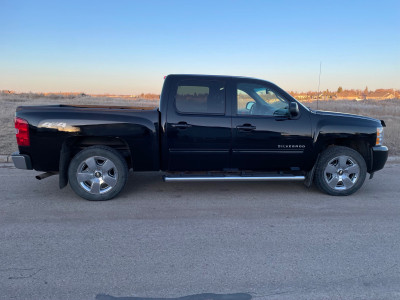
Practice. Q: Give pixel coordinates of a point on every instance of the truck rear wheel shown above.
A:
(98, 173)
(340, 171)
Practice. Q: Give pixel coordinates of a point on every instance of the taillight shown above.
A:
(22, 128)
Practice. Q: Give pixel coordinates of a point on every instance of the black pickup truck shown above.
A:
(220, 128)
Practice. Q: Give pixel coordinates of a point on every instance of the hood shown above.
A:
(336, 114)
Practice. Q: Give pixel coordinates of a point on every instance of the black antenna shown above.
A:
(319, 81)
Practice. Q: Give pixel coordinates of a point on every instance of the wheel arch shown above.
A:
(73, 145)
(357, 144)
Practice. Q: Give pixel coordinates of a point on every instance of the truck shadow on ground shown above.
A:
(205, 296)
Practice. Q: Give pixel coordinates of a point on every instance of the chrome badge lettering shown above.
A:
(60, 126)
(291, 146)
(53, 124)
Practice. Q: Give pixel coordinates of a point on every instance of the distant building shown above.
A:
(301, 96)
(349, 95)
(380, 95)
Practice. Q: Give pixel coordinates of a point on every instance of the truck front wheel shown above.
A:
(340, 171)
(98, 173)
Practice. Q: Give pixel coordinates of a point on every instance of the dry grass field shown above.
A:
(388, 110)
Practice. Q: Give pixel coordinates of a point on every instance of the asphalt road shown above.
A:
(209, 241)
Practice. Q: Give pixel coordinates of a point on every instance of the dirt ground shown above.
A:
(156, 240)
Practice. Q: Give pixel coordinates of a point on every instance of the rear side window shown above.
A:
(200, 97)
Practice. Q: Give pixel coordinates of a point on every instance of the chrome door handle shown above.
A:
(181, 125)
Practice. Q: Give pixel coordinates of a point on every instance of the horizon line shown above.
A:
(9, 91)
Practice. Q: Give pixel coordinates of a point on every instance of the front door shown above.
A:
(198, 127)
(265, 136)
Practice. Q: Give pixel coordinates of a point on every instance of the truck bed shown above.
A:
(52, 126)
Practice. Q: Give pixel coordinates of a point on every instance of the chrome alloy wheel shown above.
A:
(97, 175)
(341, 172)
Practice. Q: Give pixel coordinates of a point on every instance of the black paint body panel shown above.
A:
(211, 143)
(139, 129)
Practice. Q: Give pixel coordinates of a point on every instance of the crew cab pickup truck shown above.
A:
(207, 128)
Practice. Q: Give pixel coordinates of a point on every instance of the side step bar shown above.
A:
(199, 178)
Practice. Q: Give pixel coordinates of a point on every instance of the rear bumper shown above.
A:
(21, 161)
(379, 158)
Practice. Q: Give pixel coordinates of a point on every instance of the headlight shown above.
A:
(379, 136)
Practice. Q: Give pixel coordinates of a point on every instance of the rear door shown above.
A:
(198, 125)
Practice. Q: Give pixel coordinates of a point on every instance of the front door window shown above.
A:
(257, 100)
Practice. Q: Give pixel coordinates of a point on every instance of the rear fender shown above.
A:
(72, 146)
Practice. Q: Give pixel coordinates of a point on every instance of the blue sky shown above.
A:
(127, 47)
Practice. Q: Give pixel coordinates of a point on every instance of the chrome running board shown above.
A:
(199, 178)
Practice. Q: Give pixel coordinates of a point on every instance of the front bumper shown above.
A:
(379, 158)
(21, 161)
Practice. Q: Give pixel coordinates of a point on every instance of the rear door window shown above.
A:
(200, 97)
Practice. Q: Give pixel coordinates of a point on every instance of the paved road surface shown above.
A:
(220, 241)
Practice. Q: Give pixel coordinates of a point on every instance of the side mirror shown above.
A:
(293, 109)
(249, 105)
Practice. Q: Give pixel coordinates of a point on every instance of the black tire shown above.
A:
(340, 171)
(98, 173)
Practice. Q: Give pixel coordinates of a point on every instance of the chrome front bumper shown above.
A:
(21, 161)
